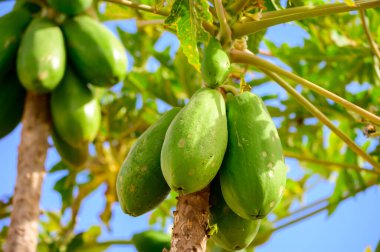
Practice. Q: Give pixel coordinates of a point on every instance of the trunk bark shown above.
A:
(191, 221)
(23, 230)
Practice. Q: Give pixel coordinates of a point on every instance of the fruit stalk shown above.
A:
(191, 221)
(23, 230)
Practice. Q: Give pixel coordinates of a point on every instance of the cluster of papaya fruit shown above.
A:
(227, 141)
(58, 49)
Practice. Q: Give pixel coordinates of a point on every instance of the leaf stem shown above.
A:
(272, 18)
(225, 30)
(371, 41)
(230, 89)
(139, 6)
(326, 163)
(249, 58)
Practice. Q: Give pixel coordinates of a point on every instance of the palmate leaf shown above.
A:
(187, 17)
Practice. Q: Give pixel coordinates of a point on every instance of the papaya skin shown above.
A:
(151, 241)
(41, 59)
(12, 26)
(254, 150)
(195, 143)
(140, 185)
(72, 7)
(12, 99)
(233, 232)
(75, 111)
(95, 52)
(215, 65)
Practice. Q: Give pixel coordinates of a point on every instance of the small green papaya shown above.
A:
(264, 234)
(253, 173)
(151, 241)
(12, 26)
(72, 7)
(74, 156)
(140, 185)
(233, 232)
(75, 111)
(41, 59)
(195, 143)
(12, 98)
(215, 65)
(30, 6)
(95, 51)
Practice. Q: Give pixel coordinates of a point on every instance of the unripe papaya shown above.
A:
(12, 98)
(95, 51)
(12, 26)
(215, 65)
(233, 232)
(70, 7)
(75, 111)
(151, 241)
(140, 185)
(27, 5)
(253, 173)
(264, 234)
(74, 156)
(195, 143)
(41, 59)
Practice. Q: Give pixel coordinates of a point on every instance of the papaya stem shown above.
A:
(371, 41)
(249, 58)
(191, 222)
(23, 229)
(139, 6)
(237, 6)
(272, 18)
(225, 30)
(230, 89)
(326, 164)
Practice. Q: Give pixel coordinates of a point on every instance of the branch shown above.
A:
(139, 6)
(249, 58)
(225, 30)
(23, 230)
(191, 221)
(272, 18)
(326, 163)
(371, 41)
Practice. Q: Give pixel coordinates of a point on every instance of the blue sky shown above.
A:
(354, 225)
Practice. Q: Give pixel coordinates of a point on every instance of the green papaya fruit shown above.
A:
(72, 7)
(41, 59)
(195, 143)
(233, 232)
(75, 111)
(95, 51)
(140, 185)
(253, 173)
(12, 98)
(215, 65)
(151, 241)
(265, 232)
(31, 7)
(74, 156)
(12, 26)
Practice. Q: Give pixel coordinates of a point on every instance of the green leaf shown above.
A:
(254, 41)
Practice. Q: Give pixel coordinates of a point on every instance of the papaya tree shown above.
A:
(181, 130)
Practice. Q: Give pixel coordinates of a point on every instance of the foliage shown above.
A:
(334, 54)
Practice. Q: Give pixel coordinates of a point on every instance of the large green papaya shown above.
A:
(140, 185)
(253, 173)
(12, 98)
(233, 232)
(75, 111)
(151, 241)
(74, 156)
(264, 233)
(72, 7)
(41, 59)
(12, 25)
(195, 142)
(215, 65)
(96, 53)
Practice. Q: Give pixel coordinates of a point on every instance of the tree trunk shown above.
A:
(191, 221)
(23, 230)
